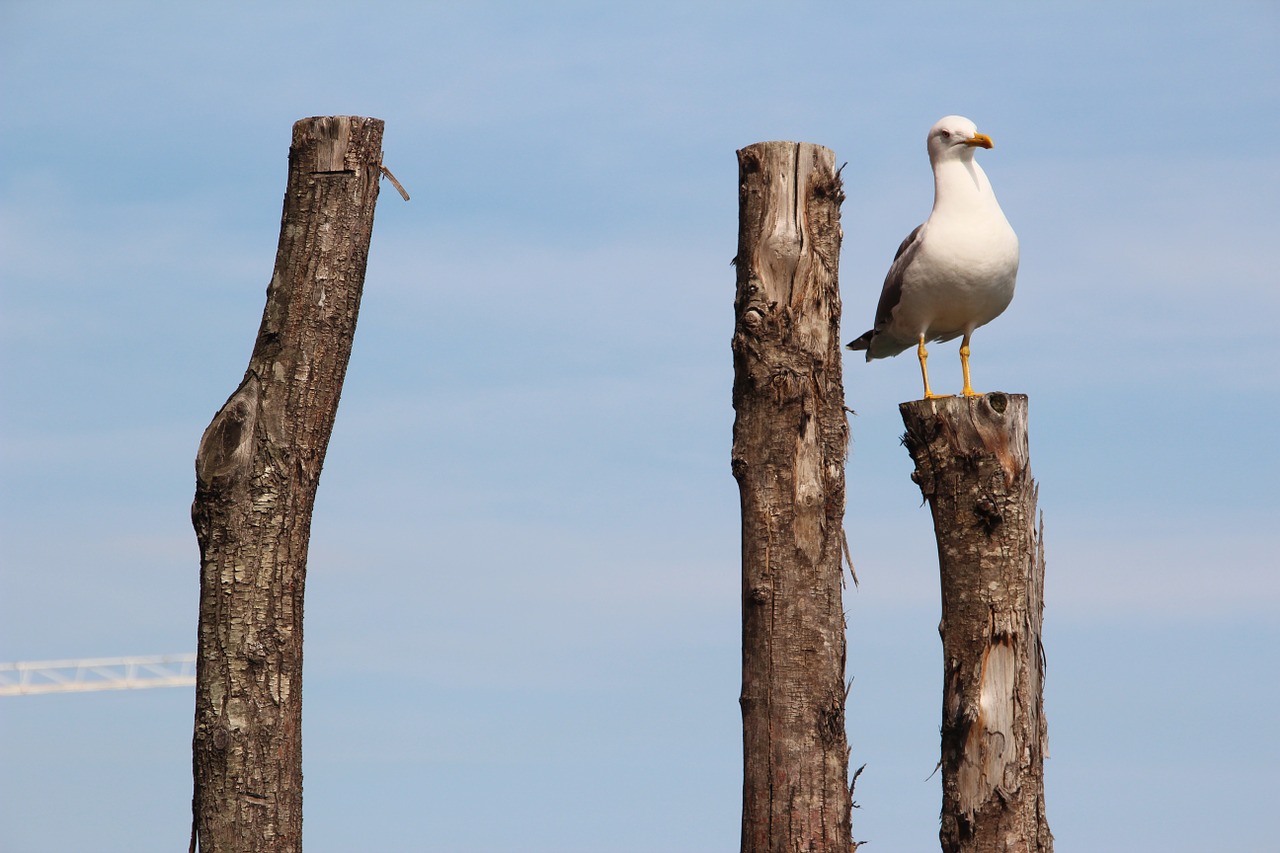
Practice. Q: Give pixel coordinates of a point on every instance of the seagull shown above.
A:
(955, 272)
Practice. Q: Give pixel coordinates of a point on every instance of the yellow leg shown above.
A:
(924, 372)
(964, 365)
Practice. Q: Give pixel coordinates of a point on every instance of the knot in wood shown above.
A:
(226, 448)
(831, 720)
(753, 319)
(989, 515)
(787, 384)
(255, 651)
(748, 162)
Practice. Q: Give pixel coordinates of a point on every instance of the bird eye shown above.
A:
(945, 134)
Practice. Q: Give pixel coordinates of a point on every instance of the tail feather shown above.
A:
(862, 342)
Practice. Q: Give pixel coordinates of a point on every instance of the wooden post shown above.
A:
(256, 475)
(973, 466)
(789, 443)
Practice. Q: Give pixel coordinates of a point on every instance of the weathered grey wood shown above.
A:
(973, 466)
(257, 470)
(790, 438)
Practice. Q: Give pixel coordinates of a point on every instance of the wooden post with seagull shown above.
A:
(973, 467)
(952, 275)
(790, 440)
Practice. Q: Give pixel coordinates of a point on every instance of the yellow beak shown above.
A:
(981, 140)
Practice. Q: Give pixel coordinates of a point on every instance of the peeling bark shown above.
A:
(257, 470)
(973, 466)
(790, 439)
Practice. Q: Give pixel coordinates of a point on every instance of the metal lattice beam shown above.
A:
(78, 676)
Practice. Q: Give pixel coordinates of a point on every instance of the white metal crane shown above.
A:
(77, 676)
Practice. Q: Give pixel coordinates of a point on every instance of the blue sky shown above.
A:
(522, 605)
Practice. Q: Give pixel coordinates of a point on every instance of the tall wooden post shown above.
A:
(256, 475)
(789, 443)
(973, 466)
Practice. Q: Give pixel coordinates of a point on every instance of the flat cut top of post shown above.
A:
(995, 422)
(789, 241)
(333, 150)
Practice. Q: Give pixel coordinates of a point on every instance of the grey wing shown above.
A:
(892, 291)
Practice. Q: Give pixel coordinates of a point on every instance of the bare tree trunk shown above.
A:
(256, 475)
(789, 443)
(973, 465)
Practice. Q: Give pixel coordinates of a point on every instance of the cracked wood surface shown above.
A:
(973, 466)
(257, 470)
(790, 438)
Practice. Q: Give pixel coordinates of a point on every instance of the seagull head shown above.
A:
(955, 138)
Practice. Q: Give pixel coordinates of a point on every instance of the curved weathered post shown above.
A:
(973, 466)
(256, 475)
(789, 443)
